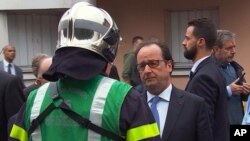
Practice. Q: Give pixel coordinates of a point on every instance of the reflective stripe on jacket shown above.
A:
(99, 100)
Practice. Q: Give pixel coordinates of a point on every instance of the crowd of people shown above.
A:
(78, 95)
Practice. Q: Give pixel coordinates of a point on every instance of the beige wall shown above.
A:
(234, 15)
(146, 18)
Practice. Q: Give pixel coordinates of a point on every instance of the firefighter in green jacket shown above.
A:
(82, 104)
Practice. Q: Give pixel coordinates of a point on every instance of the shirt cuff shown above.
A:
(229, 91)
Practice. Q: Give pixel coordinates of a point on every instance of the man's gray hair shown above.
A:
(223, 35)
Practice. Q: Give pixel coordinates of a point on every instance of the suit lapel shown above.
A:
(1, 65)
(174, 109)
(203, 63)
(17, 71)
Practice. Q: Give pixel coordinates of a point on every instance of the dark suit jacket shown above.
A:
(187, 118)
(235, 105)
(18, 70)
(11, 99)
(28, 89)
(209, 83)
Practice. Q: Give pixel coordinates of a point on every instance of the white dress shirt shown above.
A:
(197, 63)
(162, 105)
(12, 69)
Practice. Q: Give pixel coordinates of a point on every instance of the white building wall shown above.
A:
(3, 30)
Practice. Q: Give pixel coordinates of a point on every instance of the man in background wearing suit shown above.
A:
(11, 100)
(7, 64)
(237, 90)
(181, 116)
(206, 79)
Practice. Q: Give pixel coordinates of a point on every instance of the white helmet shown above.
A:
(88, 27)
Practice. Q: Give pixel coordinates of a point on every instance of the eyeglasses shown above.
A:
(150, 63)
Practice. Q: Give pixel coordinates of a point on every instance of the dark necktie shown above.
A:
(9, 68)
(154, 110)
(191, 74)
(229, 73)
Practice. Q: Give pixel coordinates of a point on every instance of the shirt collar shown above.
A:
(197, 63)
(6, 63)
(165, 95)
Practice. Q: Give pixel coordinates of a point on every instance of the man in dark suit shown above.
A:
(7, 64)
(237, 90)
(181, 116)
(11, 99)
(206, 79)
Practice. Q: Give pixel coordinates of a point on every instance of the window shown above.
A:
(32, 34)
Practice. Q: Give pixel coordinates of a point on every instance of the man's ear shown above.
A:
(169, 64)
(201, 42)
(38, 82)
(216, 49)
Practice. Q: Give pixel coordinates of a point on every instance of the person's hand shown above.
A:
(237, 89)
(246, 88)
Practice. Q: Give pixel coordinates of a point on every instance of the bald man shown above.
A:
(44, 66)
(40, 64)
(7, 65)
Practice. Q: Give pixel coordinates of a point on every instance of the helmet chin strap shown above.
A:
(107, 69)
